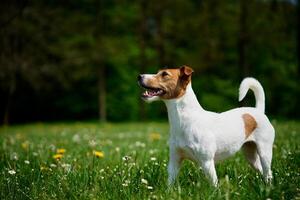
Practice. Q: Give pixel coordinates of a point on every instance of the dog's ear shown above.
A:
(186, 71)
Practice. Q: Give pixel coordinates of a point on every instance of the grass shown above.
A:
(130, 163)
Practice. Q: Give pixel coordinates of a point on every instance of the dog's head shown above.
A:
(166, 84)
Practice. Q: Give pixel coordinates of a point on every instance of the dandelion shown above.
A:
(25, 145)
(144, 181)
(98, 154)
(155, 136)
(60, 151)
(19, 136)
(57, 156)
(43, 168)
(26, 162)
(12, 172)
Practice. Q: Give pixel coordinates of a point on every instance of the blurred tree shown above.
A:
(298, 36)
(243, 39)
(98, 32)
(142, 43)
(80, 59)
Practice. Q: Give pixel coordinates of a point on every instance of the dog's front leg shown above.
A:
(208, 167)
(173, 166)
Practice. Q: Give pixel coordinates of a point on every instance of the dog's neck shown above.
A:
(177, 107)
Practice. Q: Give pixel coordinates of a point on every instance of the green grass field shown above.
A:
(128, 161)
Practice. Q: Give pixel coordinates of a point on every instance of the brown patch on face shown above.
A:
(250, 124)
(172, 81)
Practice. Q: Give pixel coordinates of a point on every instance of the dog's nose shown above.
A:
(140, 77)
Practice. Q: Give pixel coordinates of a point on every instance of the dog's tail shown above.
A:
(255, 86)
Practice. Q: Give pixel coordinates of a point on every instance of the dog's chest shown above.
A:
(183, 140)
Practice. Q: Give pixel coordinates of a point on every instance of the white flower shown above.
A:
(26, 162)
(52, 165)
(76, 138)
(117, 149)
(14, 156)
(152, 151)
(12, 172)
(35, 154)
(126, 183)
(126, 158)
(66, 167)
(140, 144)
(92, 143)
(144, 181)
(152, 158)
(149, 187)
(52, 147)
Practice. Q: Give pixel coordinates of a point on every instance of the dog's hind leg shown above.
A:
(265, 150)
(265, 154)
(251, 154)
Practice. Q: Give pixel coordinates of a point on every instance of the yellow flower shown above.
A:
(25, 145)
(155, 136)
(60, 151)
(43, 168)
(57, 156)
(98, 154)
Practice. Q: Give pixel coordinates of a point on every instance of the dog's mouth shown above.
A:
(152, 92)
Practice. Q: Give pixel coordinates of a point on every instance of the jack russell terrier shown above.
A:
(207, 137)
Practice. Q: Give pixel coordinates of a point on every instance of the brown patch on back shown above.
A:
(250, 124)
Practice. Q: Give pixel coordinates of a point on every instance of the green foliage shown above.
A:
(52, 53)
(132, 152)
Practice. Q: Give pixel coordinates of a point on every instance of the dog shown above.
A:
(206, 137)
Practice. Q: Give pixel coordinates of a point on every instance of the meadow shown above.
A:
(89, 160)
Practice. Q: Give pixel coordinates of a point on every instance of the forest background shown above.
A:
(79, 60)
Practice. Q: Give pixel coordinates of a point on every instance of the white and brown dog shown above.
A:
(206, 137)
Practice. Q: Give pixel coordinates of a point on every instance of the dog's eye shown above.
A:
(164, 74)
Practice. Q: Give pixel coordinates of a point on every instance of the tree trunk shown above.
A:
(143, 60)
(102, 94)
(243, 40)
(298, 36)
(98, 34)
(160, 38)
(12, 89)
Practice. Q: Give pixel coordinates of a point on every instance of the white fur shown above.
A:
(206, 137)
(255, 86)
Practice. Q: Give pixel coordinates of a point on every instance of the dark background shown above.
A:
(79, 59)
